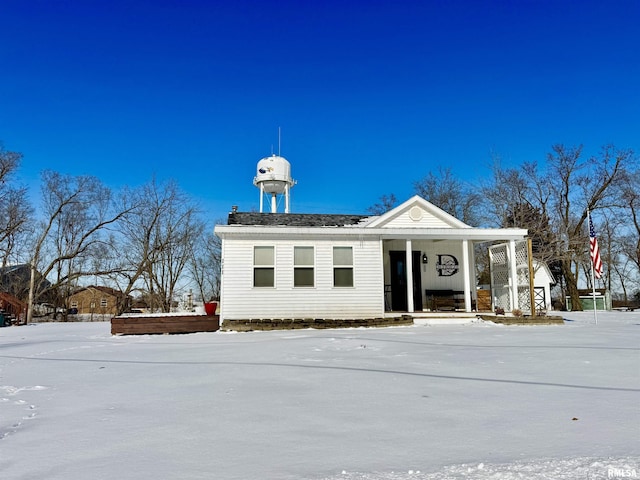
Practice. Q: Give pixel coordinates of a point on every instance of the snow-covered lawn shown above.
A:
(476, 401)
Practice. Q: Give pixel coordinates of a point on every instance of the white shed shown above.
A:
(543, 279)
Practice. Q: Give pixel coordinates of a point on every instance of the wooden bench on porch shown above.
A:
(449, 300)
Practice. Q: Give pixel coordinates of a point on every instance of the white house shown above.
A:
(284, 265)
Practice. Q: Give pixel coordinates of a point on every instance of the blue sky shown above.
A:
(370, 95)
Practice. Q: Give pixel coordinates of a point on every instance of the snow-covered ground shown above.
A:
(477, 401)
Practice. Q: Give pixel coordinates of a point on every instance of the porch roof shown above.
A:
(435, 234)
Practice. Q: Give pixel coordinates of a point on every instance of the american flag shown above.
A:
(594, 250)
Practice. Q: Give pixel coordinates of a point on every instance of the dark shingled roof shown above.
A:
(294, 219)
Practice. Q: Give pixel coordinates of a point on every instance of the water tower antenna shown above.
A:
(279, 136)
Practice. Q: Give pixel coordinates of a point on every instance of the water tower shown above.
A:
(274, 178)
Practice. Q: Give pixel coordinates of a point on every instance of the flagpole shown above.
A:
(593, 281)
(595, 303)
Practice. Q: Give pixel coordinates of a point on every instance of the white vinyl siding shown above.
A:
(405, 220)
(303, 267)
(240, 300)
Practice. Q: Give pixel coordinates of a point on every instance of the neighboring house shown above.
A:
(351, 266)
(139, 305)
(96, 300)
(15, 280)
(13, 306)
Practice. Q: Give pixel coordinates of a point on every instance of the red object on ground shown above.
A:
(210, 308)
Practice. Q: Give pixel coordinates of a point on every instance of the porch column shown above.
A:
(466, 276)
(513, 275)
(472, 263)
(409, 268)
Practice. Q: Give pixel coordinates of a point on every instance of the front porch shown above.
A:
(436, 276)
(425, 275)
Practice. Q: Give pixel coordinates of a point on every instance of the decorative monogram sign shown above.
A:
(447, 265)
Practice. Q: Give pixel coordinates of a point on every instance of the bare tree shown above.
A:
(579, 186)
(157, 235)
(76, 212)
(626, 243)
(15, 209)
(205, 263)
(552, 200)
(386, 203)
(175, 236)
(520, 198)
(630, 192)
(450, 194)
(136, 237)
(506, 188)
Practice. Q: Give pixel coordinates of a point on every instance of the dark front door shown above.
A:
(398, 261)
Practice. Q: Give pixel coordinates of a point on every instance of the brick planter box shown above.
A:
(537, 320)
(319, 323)
(161, 324)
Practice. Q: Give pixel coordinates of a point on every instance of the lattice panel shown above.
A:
(523, 277)
(524, 299)
(499, 261)
(501, 266)
(499, 255)
(522, 270)
(501, 277)
(502, 298)
(522, 255)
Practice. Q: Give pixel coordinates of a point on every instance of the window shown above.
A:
(263, 267)
(103, 302)
(303, 262)
(342, 266)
